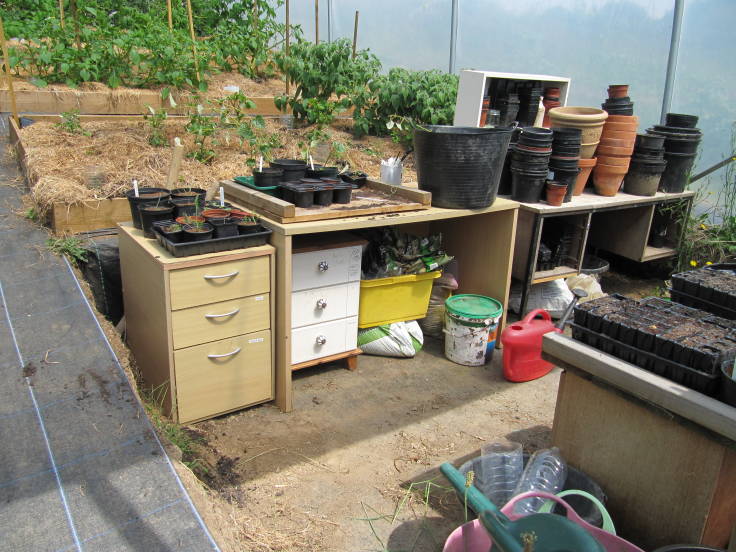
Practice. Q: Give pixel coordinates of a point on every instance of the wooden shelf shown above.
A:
(653, 253)
(554, 274)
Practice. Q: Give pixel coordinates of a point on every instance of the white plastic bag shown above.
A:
(587, 283)
(400, 339)
(554, 297)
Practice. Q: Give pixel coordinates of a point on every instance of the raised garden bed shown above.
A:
(686, 345)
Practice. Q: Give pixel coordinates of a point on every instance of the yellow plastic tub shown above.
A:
(395, 299)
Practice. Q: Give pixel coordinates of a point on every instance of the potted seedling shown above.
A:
(225, 228)
(198, 231)
(190, 212)
(248, 224)
(152, 212)
(173, 232)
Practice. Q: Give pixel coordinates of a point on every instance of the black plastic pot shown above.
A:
(323, 194)
(190, 193)
(165, 226)
(342, 193)
(183, 206)
(504, 184)
(301, 195)
(247, 227)
(152, 212)
(643, 179)
(676, 173)
(676, 145)
(357, 178)
(461, 166)
(535, 133)
(527, 187)
(320, 172)
(193, 234)
(688, 548)
(566, 135)
(674, 131)
(567, 176)
(294, 169)
(225, 228)
(563, 163)
(649, 142)
(269, 176)
(144, 195)
(681, 120)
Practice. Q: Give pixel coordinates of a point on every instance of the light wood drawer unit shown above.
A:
(325, 267)
(326, 339)
(220, 320)
(312, 306)
(199, 327)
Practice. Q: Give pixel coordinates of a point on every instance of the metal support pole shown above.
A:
(453, 36)
(672, 59)
(329, 21)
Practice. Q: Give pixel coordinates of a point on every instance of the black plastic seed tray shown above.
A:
(713, 284)
(707, 383)
(702, 304)
(186, 249)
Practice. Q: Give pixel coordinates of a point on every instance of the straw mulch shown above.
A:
(71, 168)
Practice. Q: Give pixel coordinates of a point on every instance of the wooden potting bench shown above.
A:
(664, 454)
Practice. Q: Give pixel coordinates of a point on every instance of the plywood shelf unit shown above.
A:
(474, 85)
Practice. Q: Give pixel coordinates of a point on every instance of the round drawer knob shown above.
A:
(321, 340)
(323, 266)
(321, 304)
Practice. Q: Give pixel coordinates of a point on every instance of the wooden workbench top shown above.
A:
(687, 403)
(590, 201)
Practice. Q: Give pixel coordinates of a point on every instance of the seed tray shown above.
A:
(714, 284)
(699, 303)
(708, 384)
(214, 245)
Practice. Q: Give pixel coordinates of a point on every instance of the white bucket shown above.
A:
(466, 344)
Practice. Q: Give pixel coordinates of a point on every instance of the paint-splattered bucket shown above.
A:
(469, 320)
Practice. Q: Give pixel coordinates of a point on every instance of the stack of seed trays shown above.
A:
(711, 288)
(686, 345)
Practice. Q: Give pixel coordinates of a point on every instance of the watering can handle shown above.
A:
(536, 312)
(607, 521)
(508, 509)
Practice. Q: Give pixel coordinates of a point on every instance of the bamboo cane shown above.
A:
(171, 19)
(61, 13)
(194, 40)
(6, 63)
(288, 34)
(75, 16)
(355, 32)
(316, 21)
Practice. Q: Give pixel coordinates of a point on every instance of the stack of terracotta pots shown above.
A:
(551, 99)
(588, 119)
(614, 153)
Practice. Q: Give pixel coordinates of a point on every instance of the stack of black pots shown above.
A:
(508, 108)
(619, 106)
(681, 141)
(530, 164)
(565, 157)
(647, 165)
(529, 105)
(504, 184)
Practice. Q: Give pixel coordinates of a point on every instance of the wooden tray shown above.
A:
(373, 198)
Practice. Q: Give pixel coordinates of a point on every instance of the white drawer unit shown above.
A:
(325, 298)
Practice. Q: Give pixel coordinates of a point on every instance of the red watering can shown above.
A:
(522, 343)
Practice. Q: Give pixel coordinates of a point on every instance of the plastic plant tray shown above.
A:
(187, 249)
(708, 384)
(698, 303)
(247, 181)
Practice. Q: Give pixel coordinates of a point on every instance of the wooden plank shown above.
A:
(366, 201)
(555, 274)
(624, 232)
(89, 215)
(408, 192)
(324, 360)
(722, 516)
(176, 157)
(282, 366)
(590, 201)
(523, 243)
(659, 476)
(691, 405)
(654, 253)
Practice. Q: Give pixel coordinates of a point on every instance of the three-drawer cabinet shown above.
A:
(199, 327)
(325, 297)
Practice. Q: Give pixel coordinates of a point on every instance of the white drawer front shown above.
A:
(312, 306)
(326, 267)
(339, 336)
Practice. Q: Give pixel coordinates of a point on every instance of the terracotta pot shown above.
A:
(614, 161)
(616, 152)
(607, 179)
(586, 167)
(552, 91)
(617, 142)
(623, 119)
(183, 220)
(588, 150)
(209, 214)
(555, 193)
(618, 90)
(620, 127)
(483, 117)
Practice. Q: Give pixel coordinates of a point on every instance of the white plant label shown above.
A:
(222, 196)
(135, 187)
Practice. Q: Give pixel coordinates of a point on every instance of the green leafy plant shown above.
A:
(32, 214)
(69, 246)
(326, 77)
(156, 119)
(70, 123)
(203, 129)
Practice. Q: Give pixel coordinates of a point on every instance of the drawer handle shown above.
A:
(321, 340)
(235, 352)
(236, 311)
(210, 277)
(323, 266)
(321, 304)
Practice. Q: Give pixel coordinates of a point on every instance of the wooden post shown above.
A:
(61, 13)
(194, 40)
(171, 18)
(6, 63)
(355, 32)
(316, 21)
(175, 166)
(288, 35)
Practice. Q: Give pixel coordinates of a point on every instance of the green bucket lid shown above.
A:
(473, 306)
